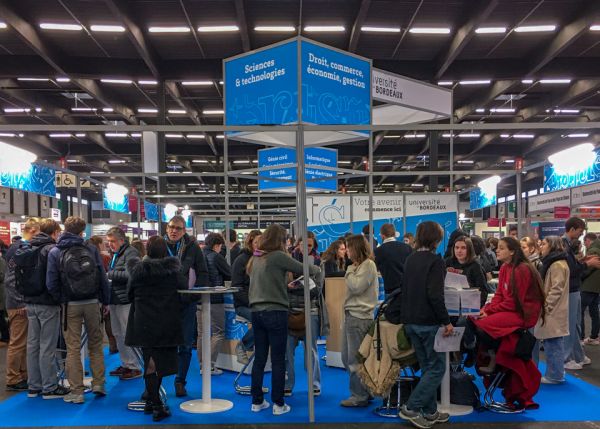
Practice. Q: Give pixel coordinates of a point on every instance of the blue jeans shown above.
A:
(590, 301)
(433, 365)
(270, 330)
(554, 350)
(42, 338)
(248, 338)
(573, 349)
(292, 343)
(184, 352)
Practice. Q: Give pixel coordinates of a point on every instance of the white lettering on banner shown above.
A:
(324, 65)
(265, 75)
(383, 207)
(417, 205)
(586, 194)
(549, 200)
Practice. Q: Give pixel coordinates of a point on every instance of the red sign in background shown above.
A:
(5, 232)
(562, 212)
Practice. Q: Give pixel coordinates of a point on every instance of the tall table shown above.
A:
(207, 404)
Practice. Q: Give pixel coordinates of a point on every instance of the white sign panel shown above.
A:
(329, 212)
(383, 207)
(547, 201)
(55, 214)
(396, 89)
(4, 200)
(585, 194)
(425, 204)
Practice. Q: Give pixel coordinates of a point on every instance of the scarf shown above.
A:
(549, 259)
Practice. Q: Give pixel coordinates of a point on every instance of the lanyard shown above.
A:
(176, 250)
(114, 259)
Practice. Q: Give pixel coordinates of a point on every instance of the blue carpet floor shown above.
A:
(573, 401)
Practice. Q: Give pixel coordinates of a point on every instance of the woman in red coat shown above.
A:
(517, 304)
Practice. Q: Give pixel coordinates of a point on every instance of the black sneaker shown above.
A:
(21, 386)
(57, 393)
(33, 393)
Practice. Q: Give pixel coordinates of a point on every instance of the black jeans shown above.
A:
(590, 300)
(270, 330)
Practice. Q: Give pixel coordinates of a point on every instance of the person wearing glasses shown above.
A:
(193, 266)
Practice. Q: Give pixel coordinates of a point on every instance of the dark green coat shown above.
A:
(591, 278)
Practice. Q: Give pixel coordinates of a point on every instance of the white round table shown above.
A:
(206, 404)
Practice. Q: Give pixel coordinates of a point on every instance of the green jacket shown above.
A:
(591, 278)
(2, 274)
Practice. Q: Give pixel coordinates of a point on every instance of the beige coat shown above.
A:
(556, 288)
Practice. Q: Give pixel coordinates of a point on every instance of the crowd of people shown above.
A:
(57, 284)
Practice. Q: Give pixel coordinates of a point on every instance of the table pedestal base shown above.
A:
(455, 410)
(197, 406)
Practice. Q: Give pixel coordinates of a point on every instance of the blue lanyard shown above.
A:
(176, 251)
(114, 259)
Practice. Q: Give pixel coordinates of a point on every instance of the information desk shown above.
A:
(335, 294)
(207, 404)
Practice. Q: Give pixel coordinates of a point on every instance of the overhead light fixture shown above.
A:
(523, 136)
(96, 172)
(213, 112)
(241, 161)
(63, 79)
(345, 162)
(578, 135)
(416, 185)
(220, 136)
(429, 30)
(505, 136)
(446, 135)
(480, 110)
(63, 27)
(108, 28)
(80, 135)
(469, 135)
(8, 135)
(38, 109)
(33, 79)
(527, 81)
(324, 28)
(197, 83)
(169, 29)
(445, 83)
(83, 109)
(60, 135)
(368, 29)
(136, 134)
(116, 161)
(115, 135)
(17, 110)
(195, 136)
(592, 28)
(117, 81)
(502, 110)
(574, 159)
(177, 111)
(567, 111)
(72, 161)
(475, 82)
(108, 109)
(147, 110)
(200, 161)
(392, 137)
(3, 25)
(465, 161)
(509, 161)
(534, 28)
(414, 136)
(275, 28)
(384, 161)
(15, 160)
(218, 28)
(147, 82)
(174, 136)
(490, 30)
(555, 81)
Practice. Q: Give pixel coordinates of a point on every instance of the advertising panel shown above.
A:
(437, 207)
(554, 181)
(39, 179)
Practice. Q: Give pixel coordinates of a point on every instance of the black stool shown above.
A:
(391, 407)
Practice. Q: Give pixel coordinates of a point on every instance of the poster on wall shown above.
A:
(329, 217)
(437, 207)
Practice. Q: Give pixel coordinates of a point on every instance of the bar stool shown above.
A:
(239, 389)
(61, 360)
(139, 405)
(488, 397)
(391, 406)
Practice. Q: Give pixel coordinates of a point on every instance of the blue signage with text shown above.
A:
(554, 181)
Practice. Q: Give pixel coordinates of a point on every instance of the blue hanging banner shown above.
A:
(479, 199)
(151, 211)
(111, 202)
(39, 179)
(554, 181)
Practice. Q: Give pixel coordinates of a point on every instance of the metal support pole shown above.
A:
(451, 156)
(372, 232)
(226, 190)
(519, 202)
(258, 207)
(79, 203)
(143, 195)
(139, 215)
(301, 220)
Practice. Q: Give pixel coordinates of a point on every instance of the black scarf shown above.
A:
(549, 259)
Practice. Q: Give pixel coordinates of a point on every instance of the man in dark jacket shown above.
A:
(118, 275)
(77, 278)
(193, 267)
(390, 258)
(16, 355)
(43, 312)
(234, 246)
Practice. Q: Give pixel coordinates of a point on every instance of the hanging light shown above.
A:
(574, 159)
(15, 160)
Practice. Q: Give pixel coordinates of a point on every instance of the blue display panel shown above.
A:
(336, 87)
(554, 181)
(312, 156)
(446, 220)
(151, 211)
(261, 88)
(39, 179)
(479, 199)
(120, 205)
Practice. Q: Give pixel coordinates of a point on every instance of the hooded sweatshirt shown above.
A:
(591, 279)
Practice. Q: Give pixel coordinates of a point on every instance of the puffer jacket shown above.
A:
(118, 274)
(218, 272)
(591, 278)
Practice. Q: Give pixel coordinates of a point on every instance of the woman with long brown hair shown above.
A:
(333, 260)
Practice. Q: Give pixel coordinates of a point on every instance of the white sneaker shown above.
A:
(259, 407)
(548, 381)
(592, 341)
(281, 409)
(586, 361)
(573, 366)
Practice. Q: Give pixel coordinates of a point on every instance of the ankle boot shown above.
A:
(148, 407)
(489, 369)
(160, 412)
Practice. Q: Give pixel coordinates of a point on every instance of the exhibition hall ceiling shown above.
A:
(98, 62)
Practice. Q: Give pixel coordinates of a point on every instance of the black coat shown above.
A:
(47, 243)
(218, 272)
(390, 258)
(240, 279)
(118, 274)
(191, 257)
(155, 318)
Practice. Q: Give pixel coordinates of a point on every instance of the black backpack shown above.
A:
(30, 270)
(79, 273)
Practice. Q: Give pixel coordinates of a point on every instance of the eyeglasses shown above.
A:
(175, 228)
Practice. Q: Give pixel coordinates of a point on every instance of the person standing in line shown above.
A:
(139, 246)
(590, 298)
(155, 318)
(409, 239)
(268, 296)
(43, 313)
(513, 231)
(575, 357)
(16, 354)
(118, 275)
(555, 326)
(218, 272)
(4, 337)
(530, 249)
(588, 239)
(77, 278)
(180, 245)
(234, 246)
(423, 312)
(359, 306)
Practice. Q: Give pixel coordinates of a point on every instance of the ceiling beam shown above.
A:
(358, 23)
(497, 88)
(92, 88)
(465, 33)
(565, 37)
(242, 24)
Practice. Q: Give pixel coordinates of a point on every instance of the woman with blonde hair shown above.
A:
(532, 251)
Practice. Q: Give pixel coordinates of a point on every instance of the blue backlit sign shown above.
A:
(151, 211)
(478, 199)
(39, 179)
(554, 181)
(120, 205)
